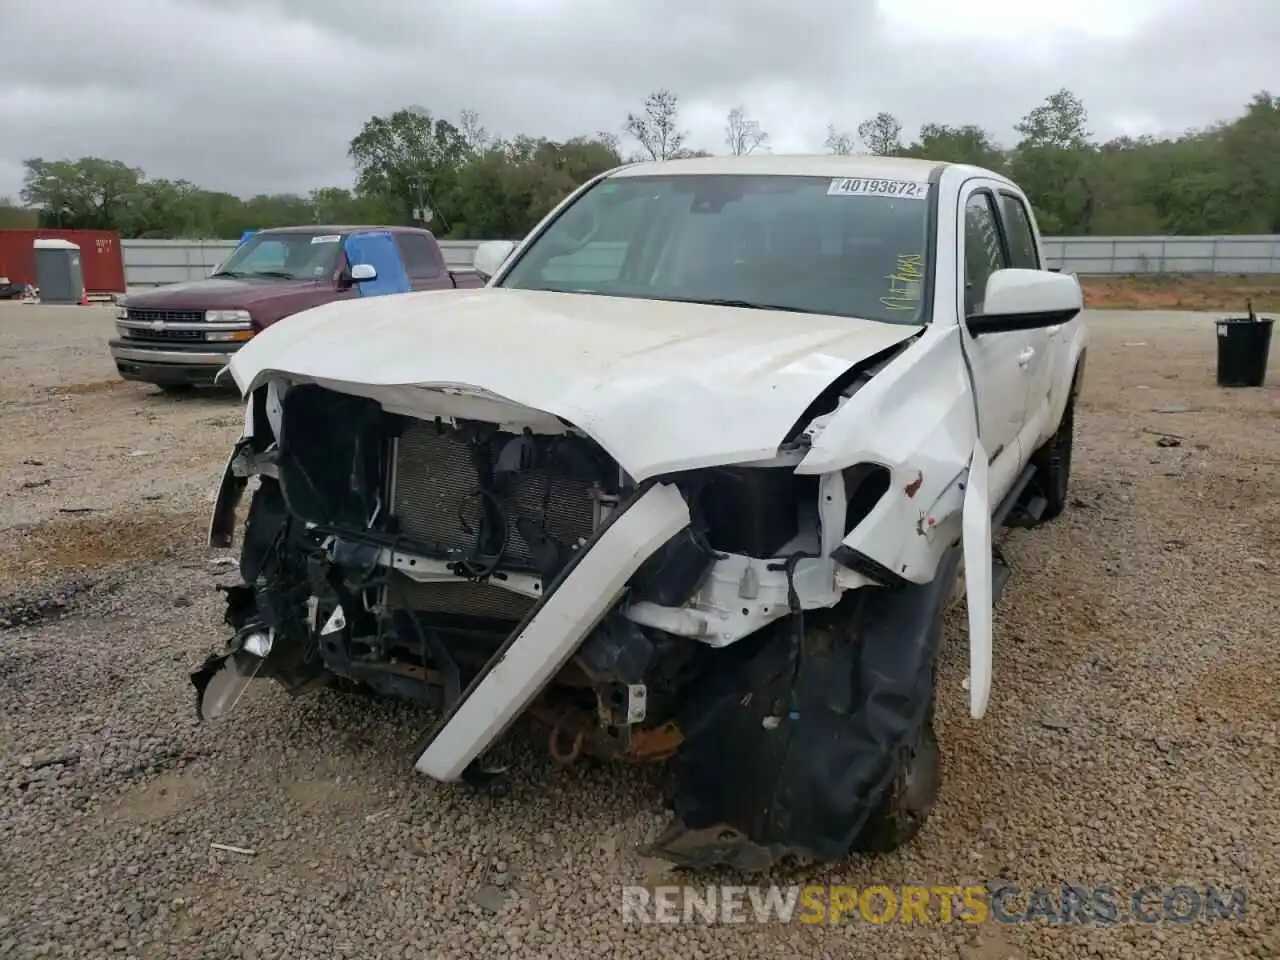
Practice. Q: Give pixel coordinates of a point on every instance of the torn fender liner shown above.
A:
(784, 758)
(230, 490)
(556, 627)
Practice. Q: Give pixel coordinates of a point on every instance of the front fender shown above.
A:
(916, 418)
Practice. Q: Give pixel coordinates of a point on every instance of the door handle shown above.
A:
(1025, 356)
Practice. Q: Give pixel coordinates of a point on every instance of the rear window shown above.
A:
(421, 260)
(1017, 226)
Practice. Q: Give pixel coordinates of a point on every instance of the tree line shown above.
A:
(413, 167)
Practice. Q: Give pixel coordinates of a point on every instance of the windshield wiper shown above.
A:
(226, 273)
(270, 273)
(744, 304)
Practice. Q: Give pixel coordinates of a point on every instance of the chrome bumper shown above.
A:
(184, 357)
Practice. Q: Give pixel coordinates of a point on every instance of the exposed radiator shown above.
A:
(461, 598)
(437, 498)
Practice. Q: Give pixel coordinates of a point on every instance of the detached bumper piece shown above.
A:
(793, 744)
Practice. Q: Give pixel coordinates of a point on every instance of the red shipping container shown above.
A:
(101, 258)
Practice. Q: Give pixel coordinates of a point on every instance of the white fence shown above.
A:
(1125, 255)
(149, 263)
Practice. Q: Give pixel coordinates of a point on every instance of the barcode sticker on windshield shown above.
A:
(866, 187)
(327, 238)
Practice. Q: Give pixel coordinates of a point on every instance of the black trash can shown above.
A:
(1244, 344)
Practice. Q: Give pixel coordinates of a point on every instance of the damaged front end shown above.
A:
(502, 564)
(431, 559)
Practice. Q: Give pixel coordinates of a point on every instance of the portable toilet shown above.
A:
(58, 273)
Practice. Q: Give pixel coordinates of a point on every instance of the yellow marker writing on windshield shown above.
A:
(904, 282)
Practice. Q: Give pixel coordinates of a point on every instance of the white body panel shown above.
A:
(661, 386)
(665, 386)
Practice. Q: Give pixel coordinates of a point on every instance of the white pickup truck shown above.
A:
(692, 478)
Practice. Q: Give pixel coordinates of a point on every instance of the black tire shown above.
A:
(1053, 464)
(910, 797)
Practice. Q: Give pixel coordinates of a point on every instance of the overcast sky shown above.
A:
(263, 95)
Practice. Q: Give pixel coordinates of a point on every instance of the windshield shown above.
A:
(807, 244)
(286, 256)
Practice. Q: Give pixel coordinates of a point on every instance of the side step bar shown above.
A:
(1011, 513)
(1000, 574)
(1011, 498)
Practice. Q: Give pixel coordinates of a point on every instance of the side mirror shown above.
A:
(1019, 299)
(491, 255)
(362, 272)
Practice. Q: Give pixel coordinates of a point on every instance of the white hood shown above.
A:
(661, 386)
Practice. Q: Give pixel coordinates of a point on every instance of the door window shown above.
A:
(1017, 227)
(984, 250)
(419, 256)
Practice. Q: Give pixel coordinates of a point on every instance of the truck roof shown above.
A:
(342, 228)
(793, 165)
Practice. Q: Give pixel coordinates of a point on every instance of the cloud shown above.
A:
(263, 96)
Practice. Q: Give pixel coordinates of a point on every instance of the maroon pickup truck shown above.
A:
(182, 335)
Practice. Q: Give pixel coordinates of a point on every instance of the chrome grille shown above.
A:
(462, 598)
(136, 333)
(437, 498)
(167, 316)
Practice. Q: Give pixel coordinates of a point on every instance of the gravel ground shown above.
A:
(1131, 738)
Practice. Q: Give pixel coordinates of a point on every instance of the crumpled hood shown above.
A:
(661, 386)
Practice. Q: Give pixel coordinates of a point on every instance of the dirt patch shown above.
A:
(1182, 292)
(80, 543)
(94, 387)
(160, 799)
(1250, 691)
(327, 794)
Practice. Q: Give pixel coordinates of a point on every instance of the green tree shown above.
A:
(882, 134)
(505, 192)
(409, 160)
(1057, 162)
(88, 193)
(14, 217)
(1222, 179)
(966, 144)
(1251, 152)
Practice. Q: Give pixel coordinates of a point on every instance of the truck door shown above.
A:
(378, 249)
(998, 361)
